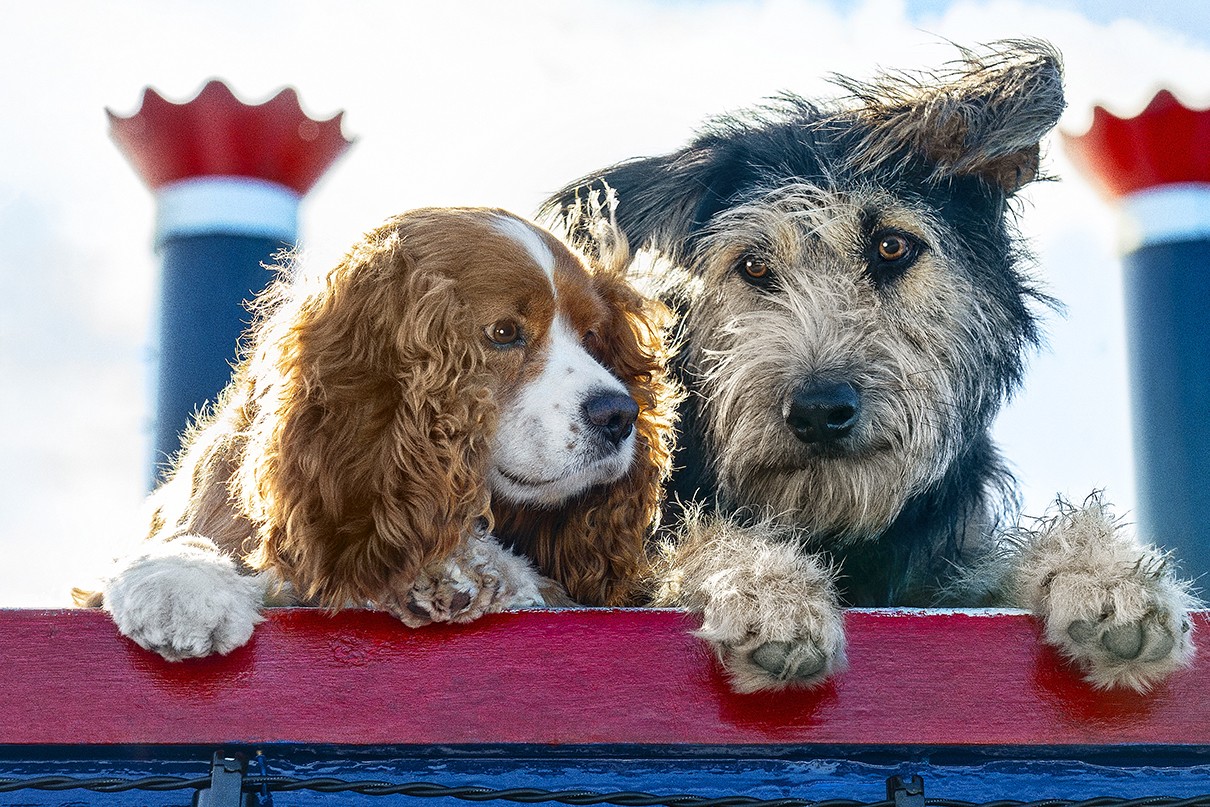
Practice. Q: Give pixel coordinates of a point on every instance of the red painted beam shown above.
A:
(577, 676)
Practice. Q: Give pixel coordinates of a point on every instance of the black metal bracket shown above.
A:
(905, 794)
(226, 783)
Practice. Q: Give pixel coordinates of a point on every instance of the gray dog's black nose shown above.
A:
(823, 411)
(611, 415)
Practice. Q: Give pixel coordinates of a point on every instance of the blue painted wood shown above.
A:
(1167, 295)
(207, 281)
(768, 772)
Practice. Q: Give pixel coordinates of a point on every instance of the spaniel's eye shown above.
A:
(892, 254)
(755, 270)
(503, 332)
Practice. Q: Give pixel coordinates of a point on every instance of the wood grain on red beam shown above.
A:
(568, 677)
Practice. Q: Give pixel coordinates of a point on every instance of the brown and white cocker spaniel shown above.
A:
(461, 417)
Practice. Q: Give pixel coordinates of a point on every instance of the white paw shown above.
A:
(480, 577)
(1108, 602)
(182, 599)
(774, 621)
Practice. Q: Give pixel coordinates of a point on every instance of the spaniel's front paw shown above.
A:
(774, 621)
(480, 577)
(182, 599)
(1108, 602)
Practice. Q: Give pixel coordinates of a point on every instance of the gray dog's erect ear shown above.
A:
(984, 117)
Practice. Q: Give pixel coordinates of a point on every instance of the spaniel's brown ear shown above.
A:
(596, 544)
(366, 457)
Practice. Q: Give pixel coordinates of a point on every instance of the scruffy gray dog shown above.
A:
(853, 313)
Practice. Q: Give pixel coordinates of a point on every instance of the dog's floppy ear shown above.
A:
(984, 117)
(661, 201)
(595, 545)
(368, 447)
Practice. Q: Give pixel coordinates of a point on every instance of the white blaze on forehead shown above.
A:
(544, 437)
(570, 370)
(570, 376)
(534, 244)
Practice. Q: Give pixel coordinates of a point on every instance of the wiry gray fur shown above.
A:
(984, 114)
(772, 530)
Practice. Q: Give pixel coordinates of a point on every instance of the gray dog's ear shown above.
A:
(985, 116)
(661, 201)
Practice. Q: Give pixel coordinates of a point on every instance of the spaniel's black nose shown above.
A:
(611, 414)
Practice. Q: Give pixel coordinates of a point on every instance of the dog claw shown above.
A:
(480, 577)
(459, 601)
(415, 608)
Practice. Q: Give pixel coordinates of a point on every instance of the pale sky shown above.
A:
(482, 104)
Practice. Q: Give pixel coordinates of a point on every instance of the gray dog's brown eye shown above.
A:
(893, 247)
(755, 270)
(891, 253)
(503, 332)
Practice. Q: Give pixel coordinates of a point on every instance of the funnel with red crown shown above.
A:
(228, 178)
(1155, 169)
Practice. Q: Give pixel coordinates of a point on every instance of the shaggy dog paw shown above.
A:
(774, 621)
(770, 610)
(1108, 602)
(182, 599)
(481, 577)
(1128, 627)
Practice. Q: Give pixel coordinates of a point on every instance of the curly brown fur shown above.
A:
(606, 560)
(356, 446)
(366, 442)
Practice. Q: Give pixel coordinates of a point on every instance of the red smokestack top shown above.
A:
(1165, 144)
(216, 134)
